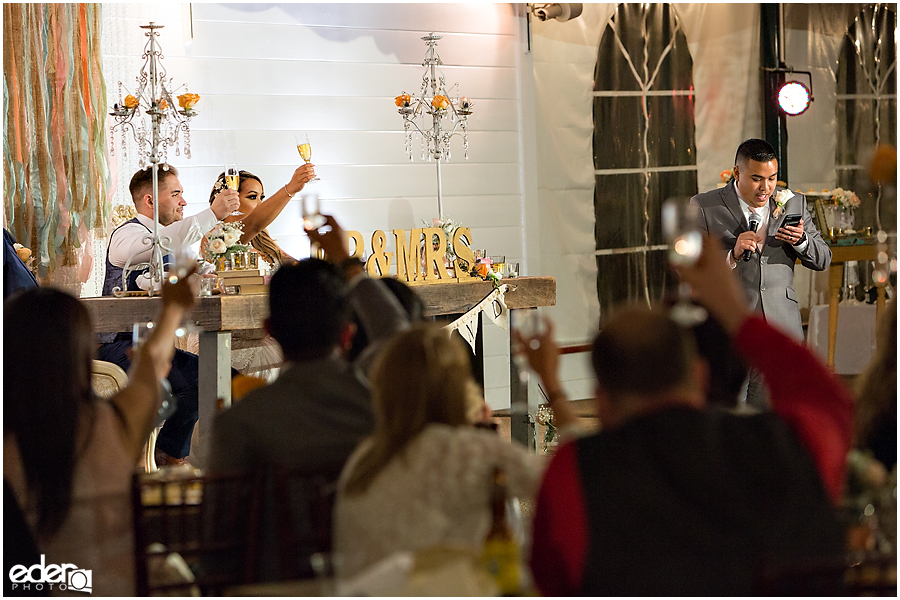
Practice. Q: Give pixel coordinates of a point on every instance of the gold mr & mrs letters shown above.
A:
(411, 266)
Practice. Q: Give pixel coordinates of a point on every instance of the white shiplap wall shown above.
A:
(265, 71)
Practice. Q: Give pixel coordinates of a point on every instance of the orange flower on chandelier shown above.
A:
(187, 101)
(130, 102)
(440, 102)
(402, 100)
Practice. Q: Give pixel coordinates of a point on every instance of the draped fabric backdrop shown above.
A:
(56, 166)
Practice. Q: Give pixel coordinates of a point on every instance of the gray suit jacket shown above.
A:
(768, 277)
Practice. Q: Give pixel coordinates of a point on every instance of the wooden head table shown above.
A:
(219, 316)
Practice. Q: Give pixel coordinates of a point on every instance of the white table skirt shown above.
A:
(856, 338)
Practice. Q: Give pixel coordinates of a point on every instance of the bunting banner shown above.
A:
(494, 305)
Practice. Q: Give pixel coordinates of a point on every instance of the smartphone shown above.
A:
(791, 220)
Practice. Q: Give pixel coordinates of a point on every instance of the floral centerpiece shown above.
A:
(845, 198)
(449, 227)
(223, 241)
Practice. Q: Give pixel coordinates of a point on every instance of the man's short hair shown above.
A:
(142, 181)
(308, 307)
(754, 149)
(641, 352)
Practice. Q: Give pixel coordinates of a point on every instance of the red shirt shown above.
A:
(810, 399)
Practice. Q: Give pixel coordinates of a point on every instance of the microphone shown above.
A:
(754, 224)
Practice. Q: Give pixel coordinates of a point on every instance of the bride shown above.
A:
(263, 360)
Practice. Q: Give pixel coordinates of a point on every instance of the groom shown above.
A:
(764, 258)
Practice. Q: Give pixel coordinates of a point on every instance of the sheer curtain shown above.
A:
(644, 150)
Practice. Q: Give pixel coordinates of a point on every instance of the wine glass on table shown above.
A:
(233, 181)
(305, 150)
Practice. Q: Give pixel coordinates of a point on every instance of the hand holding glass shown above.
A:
(233, 181)
(305, 150)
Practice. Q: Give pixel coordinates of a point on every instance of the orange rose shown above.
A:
(724, 175)
(130, 102)
(483, 269)
(188, 101)
(402, 100)
(440, 102)
(162, 104)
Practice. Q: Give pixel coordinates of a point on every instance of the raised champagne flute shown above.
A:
(305, 150)
(311, 211)
(680, 227)
(233, 181)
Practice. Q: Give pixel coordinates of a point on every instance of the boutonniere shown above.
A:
(781, 199)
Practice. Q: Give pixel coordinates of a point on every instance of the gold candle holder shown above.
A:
(239, 260)
(223, 263)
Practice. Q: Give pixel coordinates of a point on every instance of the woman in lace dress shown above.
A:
(423, 478)
(67, 455)
(262, 360)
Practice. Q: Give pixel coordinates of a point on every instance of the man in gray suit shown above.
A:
(764, 257)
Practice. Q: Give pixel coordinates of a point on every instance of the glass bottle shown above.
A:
(500, 556)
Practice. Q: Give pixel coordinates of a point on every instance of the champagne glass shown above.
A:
(312, 217)
(167, 402)
(680, 221)
(304, 149)
(233, 181)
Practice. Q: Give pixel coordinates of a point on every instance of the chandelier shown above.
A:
(425, 114)
(153, 120)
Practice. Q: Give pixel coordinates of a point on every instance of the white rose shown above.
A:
(783, 196)
(217, 246)
(232, 237)
(216, 231)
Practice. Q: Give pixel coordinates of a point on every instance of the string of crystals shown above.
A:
(424, 114)
(155, 122)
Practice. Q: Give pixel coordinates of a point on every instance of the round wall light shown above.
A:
(794, 98)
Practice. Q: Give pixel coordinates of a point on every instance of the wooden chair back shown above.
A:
(303, 503)
(107, 378)
(211, 521)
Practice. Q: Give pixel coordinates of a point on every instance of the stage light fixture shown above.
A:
(794, 98)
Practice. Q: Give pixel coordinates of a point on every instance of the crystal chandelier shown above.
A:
(425, 113)
(153, 120)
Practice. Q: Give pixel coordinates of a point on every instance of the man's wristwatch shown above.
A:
(802, 239)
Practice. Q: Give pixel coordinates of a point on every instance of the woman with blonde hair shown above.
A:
(423, 478)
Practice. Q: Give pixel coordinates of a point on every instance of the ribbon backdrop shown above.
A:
(56, 170)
